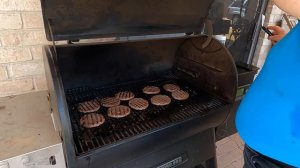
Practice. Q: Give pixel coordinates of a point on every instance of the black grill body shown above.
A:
(180, 134)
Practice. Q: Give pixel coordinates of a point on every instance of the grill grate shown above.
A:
(138, 122)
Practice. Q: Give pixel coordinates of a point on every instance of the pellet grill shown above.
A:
(173, 50)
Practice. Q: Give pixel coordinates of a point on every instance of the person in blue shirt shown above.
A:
(268, 119)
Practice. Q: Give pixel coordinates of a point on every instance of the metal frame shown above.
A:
(60, 108)
(58, 103)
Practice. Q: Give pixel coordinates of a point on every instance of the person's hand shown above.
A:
(278, 32)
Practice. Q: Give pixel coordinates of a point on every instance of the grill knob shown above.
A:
(25, 160)
(4, 165)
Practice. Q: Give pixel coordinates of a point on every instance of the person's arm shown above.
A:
(278, 32)
(289, 6)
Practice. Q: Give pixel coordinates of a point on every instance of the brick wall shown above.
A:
(21, 40)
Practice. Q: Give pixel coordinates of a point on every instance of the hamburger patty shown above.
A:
(171, 87)
(151, 90)
(88, 106)
(160, 100)
(110, 102)
(180, 95)
(138, 104)
(125, 95)
(118, 111)
(92, 120)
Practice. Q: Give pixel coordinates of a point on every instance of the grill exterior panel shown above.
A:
(179, 133)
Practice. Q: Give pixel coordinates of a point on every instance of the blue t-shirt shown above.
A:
(268, 119)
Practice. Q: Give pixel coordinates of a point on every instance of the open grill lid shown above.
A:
(84, 19)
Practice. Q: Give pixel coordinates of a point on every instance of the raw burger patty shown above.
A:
(138, 104)
(92, 120)
(160, 100)
(110, 102)
(124, 96)
(89, 106)
(151, 90)
(180, 95)
(171, 87)
(118, 111)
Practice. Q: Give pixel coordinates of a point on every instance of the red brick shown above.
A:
(32, 20)
(11, 38)
(27, 69)
(20, 5)
(34, 37)
(10, 21)
(8, 55)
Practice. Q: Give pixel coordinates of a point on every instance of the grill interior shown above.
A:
(113, 130)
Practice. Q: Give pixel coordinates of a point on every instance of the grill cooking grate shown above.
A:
(138, 122)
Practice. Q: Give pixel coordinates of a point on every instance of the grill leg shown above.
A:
(211, 163)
